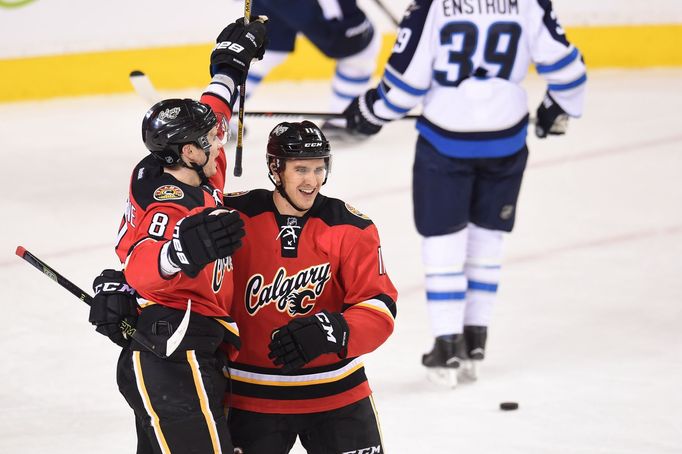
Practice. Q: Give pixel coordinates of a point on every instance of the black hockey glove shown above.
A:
(237, 45)
(359, 115)
(203, 238)
(114, 302)
(550, 118)
(304, 339)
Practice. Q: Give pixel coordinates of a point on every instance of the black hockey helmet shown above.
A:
(296, 140)
(172, 123)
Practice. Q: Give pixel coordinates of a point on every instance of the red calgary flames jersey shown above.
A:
(294, 267)
(156, 202)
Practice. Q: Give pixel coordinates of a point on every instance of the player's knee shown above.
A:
(445, 253)
(362, 62)
(347, 42)
(484, 245)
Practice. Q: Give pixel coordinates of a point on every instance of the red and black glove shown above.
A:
(304, 339)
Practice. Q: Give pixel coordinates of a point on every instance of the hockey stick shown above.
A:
(388, 13)
(126, 328)
(242, 98)
(143, 86)
(311, 115)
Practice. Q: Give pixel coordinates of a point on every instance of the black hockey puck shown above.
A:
(506, 406)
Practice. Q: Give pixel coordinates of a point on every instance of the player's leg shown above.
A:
(355, 45)
(442, 189)
(353, 428)
(178, 401)
(353, 73)
(261, 433)
(342, 31)
(495, 197)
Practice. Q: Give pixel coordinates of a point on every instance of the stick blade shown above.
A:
(143, 86)
(21, 251)
(174, 341)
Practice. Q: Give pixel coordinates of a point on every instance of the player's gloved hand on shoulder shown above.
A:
(304, 339)
(359, 115)
(550, 118)
(114, 302)
(237, 45)
(202, 238)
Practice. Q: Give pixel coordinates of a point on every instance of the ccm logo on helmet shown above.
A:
(312, 144)
(229, 45)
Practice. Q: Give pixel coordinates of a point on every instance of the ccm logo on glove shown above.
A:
(111, 287)
(329, 329)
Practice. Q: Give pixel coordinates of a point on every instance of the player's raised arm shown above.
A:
(236, 47)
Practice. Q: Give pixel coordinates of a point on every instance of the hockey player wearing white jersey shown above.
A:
(464, 60)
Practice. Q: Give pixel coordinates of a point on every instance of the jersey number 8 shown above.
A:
(499, 32)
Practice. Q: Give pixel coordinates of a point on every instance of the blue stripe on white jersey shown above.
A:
(395, 81)
(565, 61)
(493, 144)
(567, 86)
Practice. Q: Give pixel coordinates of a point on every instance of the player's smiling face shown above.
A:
(302, 179)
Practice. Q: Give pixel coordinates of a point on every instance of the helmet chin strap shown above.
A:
(280, 188)
(199, 169)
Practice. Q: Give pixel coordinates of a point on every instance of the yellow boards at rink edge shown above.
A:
(87, 73)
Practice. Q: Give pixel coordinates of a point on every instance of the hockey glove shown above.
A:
(237, 45)
(550, 118)
(360, 117)
(304, 339)
(202, 238)
(114, 302)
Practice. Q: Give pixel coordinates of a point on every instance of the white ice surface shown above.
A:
(587, 335)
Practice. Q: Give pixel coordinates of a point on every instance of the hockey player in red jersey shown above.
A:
(176, 242)
(311, 296)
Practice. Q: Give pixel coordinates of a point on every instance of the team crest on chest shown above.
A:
(168, 192)
(220, 269)
(293, 294)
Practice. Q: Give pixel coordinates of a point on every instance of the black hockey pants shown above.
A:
(178, 402)
(351, 429)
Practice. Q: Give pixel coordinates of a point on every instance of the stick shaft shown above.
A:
(310, 114)
(43, 267)
(242, 99)
(55, 276)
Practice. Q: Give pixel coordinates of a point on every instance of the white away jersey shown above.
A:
(465, 60)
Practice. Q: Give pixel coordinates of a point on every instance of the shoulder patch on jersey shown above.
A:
(236, 194)
(356, 212)
(335, 212)
(168, 192)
